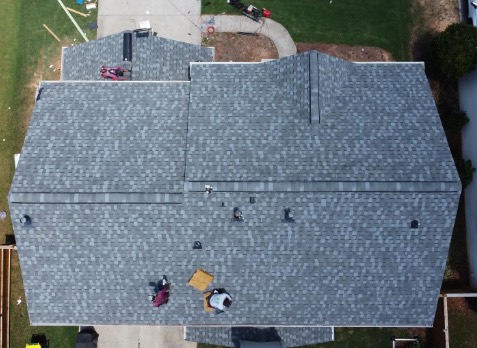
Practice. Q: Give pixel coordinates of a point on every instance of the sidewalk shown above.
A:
(115, 336)
(234, 24)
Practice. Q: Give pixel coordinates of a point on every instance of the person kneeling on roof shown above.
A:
(162, 293)
(219, 300)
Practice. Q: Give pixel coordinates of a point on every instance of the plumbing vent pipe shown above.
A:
(25, 220)
(127, 46)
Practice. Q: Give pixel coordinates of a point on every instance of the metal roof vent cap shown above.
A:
(209, 188)
(415, 223)
(238, 214)
(288, 215)
(25, 220)
(197, 245)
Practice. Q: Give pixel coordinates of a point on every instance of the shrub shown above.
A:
(453, 53)
(455, 121)
(466, 171)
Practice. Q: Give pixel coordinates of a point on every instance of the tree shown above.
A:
(453, 52)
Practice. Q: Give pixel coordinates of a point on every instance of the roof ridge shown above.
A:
(314, 88)
(325, 186)
(96, 197)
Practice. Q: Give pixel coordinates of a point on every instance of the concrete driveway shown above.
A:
(117, 336)
(172, 19)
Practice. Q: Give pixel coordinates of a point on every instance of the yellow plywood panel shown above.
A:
(206, 305)
(201, 279)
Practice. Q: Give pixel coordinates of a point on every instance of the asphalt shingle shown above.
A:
(113, 174)
(231, 336)
(102, 137)
(153, 58)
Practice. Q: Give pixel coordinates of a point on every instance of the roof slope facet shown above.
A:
(100, 137)
(123, 172)
(153, 58)
(231, 336)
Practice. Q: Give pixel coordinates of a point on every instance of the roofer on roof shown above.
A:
(219, 299)
(162, 293)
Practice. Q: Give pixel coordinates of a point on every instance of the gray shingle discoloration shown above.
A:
(110, 174)
(154, 58)
(159, 59)
(371, 124)
(106, 137)
(231, 336)
(349, 258)
(84, 61)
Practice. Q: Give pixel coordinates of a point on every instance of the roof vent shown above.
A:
(415, 223)
(253, 199)
(209, 188)
(238, 214)
(288, 215)
(197, 245)
(25, 220)
(223, 204)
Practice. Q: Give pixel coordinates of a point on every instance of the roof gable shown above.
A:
(153, 58)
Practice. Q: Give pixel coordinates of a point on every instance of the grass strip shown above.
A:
(29, 54)
(365, 23)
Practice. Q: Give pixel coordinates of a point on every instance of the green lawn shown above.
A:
(463, 324)
(385, 24)
(27, 51)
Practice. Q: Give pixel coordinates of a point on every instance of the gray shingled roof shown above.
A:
(114, 138)
(373, 131)
(123, 174)
(231, 336)
(153, 58)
